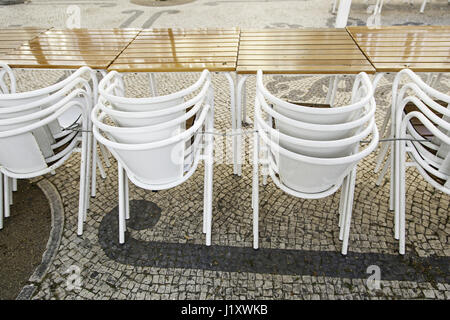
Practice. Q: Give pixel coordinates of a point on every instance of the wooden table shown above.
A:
(11, 38)
(180, 50)
(300, 51)
(297, 51)
(71, 49)
(184, 50)
(419, 48)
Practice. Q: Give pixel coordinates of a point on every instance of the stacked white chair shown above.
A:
(421, 128)
(150, 140)
(7, 85)
(311, 152)
(34, 142)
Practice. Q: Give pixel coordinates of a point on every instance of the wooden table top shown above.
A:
(300, 51)
(180, 50)
(391, 49)
(71, 49)
(11, 38)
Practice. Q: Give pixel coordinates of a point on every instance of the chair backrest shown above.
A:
(137, 112)
(157, 153)
(5, 70)
(362, 94)
(24, 103)
(320, 123)
(305, 160)
(301, 172)
(418, 105)
(20, 150)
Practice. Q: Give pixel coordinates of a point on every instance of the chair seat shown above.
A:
(311, 105)
(423, 131)
(417, 125)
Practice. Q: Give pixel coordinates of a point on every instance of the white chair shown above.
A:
(7, 86)
(26, 133)
(70, 117)
(153, 148)
(389, 129)
(309, 168)
(422, 130)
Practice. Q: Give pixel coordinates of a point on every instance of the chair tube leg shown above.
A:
(255, 191)
(240, 86)
(105, 155)
(383, 151)
(10, 191)
(244, 104)
(1, 200)
(209, 168)
(342, 203)
(6, 195)
(334, 90)
(127, 196)
(348, 214)
(382, 173)
(153, 85)
(14, 188)
(401, 198)
(83, 184)
(121, 204)
(94, 167)
(233, 119)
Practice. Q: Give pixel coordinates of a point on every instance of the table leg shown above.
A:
(153, 84)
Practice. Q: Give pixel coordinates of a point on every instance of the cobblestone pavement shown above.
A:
(164, 256)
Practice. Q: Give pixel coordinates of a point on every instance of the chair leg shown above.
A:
(121, 204)
(205, 200)
(14, 186)
(384, 150)
(6, 195)
(255, 191)
(240, 87)
(153, 84)
(94, 168)
(233, 119)
(382, 173)
(401, 198)
(244, 104)
(10, 191)
(349, 209)
(209, 169)
(342, 204)
(83, 184)
(105, 155)
(127, 196)
(1, 200)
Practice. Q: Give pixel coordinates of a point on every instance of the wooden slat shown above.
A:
(144, 54)
(179, 50)
(172, 67)
(73, 48)
(57, 64)
(338, 69)
(151, 60)
(183, 45)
